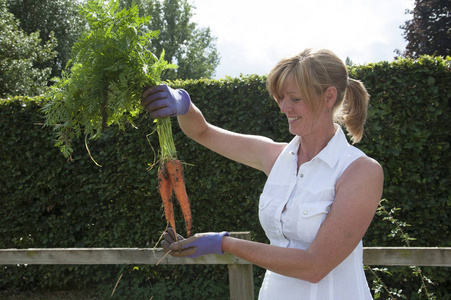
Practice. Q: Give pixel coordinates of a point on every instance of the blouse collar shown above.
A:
(330, 154)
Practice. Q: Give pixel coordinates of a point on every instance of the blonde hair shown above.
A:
(315, 71)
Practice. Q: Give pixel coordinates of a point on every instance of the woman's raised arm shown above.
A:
(255, 151)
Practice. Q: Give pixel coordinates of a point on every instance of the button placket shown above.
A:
(302, 170)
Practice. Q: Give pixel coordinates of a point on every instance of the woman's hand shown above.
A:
(163, 101)
(195, 246)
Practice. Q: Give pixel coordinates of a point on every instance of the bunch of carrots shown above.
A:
(170, 176)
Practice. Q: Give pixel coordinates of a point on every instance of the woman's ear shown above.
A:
(330, 96)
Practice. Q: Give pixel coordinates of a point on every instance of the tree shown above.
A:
(429, 31)
(61, 17)
(192, 49)
(22, 57)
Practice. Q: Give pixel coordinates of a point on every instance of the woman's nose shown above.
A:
(284, 105)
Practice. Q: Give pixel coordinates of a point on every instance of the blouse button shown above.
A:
(305, 212)
(302, 175)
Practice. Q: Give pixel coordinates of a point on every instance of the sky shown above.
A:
(253, 35)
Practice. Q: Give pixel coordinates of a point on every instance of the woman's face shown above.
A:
(301, 119)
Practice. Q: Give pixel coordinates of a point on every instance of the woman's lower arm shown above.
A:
(285, 261)
(193, 123)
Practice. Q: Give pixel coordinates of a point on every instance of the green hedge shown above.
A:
(48, 201)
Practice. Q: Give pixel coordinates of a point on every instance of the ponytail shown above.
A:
(354, 109)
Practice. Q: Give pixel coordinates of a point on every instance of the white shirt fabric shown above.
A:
(308, 194)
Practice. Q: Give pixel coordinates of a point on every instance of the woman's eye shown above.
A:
(296, 99)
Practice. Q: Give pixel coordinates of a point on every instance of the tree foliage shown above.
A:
(58, 16)
(193, 49)
(22, 58)
(429, 31)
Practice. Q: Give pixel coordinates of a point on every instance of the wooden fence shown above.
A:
(241, 279)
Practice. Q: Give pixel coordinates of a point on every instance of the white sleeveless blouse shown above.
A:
(308, 194)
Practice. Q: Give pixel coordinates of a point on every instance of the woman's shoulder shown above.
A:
(367, 162)
(363, 167)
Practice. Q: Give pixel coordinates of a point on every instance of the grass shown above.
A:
(63, 295)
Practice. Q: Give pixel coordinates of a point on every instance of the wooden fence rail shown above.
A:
(241, 280)
(407, 256)
(386, 256)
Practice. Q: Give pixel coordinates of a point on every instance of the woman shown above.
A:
(321, 193)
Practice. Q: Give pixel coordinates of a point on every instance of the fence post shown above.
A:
(241, 277)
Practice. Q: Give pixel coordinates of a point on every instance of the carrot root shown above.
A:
(165, 188)
(175, 171)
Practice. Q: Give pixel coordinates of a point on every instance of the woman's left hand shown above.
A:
(163, 101)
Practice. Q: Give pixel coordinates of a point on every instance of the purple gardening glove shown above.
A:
(163, 101)
(195, 246)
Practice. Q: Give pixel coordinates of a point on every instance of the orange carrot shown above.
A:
(175, 171)
(165, 188)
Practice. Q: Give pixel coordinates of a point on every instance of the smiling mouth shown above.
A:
(293, 119)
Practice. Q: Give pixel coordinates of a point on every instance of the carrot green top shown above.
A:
(167, 147)
(110, 66)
